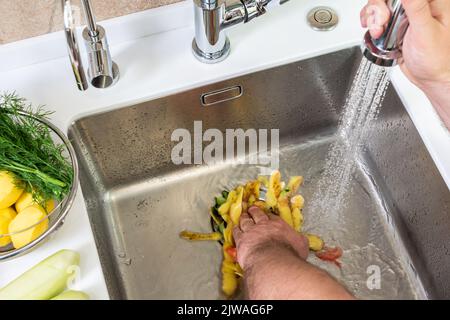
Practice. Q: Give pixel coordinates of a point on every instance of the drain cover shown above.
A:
(322, 18)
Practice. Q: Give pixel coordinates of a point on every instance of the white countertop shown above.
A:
(153, 51)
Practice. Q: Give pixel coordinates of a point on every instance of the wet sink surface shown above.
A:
(396, 217)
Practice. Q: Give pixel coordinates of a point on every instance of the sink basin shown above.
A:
(396, 219)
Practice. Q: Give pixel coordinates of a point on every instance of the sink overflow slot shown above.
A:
(222, 95)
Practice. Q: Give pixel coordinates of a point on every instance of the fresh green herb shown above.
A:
(218, 223)
(28, 151)
(219, 201)
(222, 227)
(225, 193)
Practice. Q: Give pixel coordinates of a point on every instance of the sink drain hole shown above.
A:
(322, 18)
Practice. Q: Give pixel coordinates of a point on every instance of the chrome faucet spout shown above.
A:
(386, 50)
(213, 17)
(102, 71)
(90, 18)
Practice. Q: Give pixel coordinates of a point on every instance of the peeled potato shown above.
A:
(315, 242)
(26, 200)
(6, 216)
(4, 223)
(9, 213)
(9, 193)
(50, 206)
(28, 217)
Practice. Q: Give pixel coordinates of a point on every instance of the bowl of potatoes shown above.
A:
(38, 181)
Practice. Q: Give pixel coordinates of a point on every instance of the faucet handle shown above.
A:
(256, 8)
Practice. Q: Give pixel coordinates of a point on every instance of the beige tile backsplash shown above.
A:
(21, 19)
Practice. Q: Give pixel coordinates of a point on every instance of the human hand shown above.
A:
(273, 255)
(426, 46)
(258, 233)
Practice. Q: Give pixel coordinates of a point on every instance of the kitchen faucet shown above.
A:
(386, 50)
(102, 72)
(212, 17)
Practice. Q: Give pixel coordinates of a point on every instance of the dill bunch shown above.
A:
(28, 151)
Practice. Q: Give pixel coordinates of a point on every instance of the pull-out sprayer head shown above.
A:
(386, 50)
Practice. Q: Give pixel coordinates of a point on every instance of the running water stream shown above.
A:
(360, 110)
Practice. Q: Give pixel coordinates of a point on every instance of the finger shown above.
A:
(244, 206)
(363, 17)
(246, 222)
(440, 9)
(257, 214)
(274, 217)
(384, 12)
(418, 12)
(237, 234)
(377, 16)
(302, 246)
(376, 31)
(377, 2)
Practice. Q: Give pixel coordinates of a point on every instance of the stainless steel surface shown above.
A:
(322, 18)
(57, 216)
(213, 17)
(386, 50)
(102, 72)
(397, 214)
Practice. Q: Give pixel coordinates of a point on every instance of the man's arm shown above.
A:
(273, 257)
(279, 274)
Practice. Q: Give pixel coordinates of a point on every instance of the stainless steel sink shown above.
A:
(397, 215)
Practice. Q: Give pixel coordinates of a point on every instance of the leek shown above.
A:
(45, 280)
